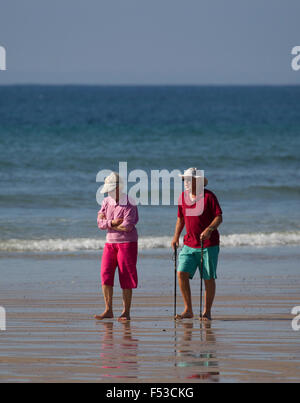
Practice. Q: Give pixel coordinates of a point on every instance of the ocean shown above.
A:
(55, 139)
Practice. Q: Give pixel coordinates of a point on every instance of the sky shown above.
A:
(164, 42)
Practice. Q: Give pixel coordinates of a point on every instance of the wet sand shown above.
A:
(51, 335)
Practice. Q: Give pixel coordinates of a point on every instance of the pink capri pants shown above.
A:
(123, 255)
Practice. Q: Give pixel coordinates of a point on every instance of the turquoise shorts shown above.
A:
(190, 260)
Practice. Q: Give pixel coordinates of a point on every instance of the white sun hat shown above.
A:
(191, 173)
(111, 182)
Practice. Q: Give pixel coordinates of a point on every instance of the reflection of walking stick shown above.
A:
(201, 279)
(175, 280)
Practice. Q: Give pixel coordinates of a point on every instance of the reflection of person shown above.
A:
(119, 356)
(205, 360)
(199, 228)
(118, 215)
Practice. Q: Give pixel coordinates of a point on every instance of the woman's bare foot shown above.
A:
(105, 315)
(185, 315)
(124, 317)
(206, 317)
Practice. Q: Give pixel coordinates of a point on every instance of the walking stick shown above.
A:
(201, 279)
(175, 280)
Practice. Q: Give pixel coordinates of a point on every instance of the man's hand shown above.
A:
(117, 222)
(178, 230)
(206, 234)
(175, 243)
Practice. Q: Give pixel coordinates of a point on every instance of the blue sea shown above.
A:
(55, 139)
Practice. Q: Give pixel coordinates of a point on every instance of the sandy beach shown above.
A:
(51, 335)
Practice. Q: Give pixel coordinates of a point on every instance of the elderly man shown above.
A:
(119, 216)
(200, 227)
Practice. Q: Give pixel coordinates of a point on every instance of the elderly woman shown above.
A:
(118, 216)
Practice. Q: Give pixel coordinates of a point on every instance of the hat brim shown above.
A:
(190, 176)
(108, 187)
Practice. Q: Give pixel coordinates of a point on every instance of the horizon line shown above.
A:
(153, 84)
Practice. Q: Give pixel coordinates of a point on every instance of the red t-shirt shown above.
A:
(196, 224)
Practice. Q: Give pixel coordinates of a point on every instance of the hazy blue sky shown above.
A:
(150, 41)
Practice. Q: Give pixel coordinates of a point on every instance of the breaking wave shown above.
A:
(92, 244)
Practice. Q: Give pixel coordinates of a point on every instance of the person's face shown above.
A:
(114, 193)
(187, 184)
(190, 184)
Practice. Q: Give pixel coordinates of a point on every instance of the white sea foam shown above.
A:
(262, 239)
(91, 244)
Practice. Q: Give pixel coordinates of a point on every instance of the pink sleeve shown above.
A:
(103, 223)
(130, 218)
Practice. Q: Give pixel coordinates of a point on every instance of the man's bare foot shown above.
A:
(206, 317)
(185, 315)
(124, 317)
(105, 315)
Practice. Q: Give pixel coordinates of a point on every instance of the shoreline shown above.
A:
(275, 250)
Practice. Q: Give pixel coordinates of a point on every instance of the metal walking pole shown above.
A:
(201, 279)
(175, 280)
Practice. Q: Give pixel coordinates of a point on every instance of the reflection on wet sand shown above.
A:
(119, 351)
(201, 356)
(183, 351)
(159, 350)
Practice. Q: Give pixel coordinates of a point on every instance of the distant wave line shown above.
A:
(94, 244)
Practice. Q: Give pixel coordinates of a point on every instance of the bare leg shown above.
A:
(127, 298)
(108, 299)
(184, 284)
(210, 292)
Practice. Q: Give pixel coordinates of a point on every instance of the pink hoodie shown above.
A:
(124, 209)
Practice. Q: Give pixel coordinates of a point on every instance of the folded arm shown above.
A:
(129, 220)
(103, 223)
